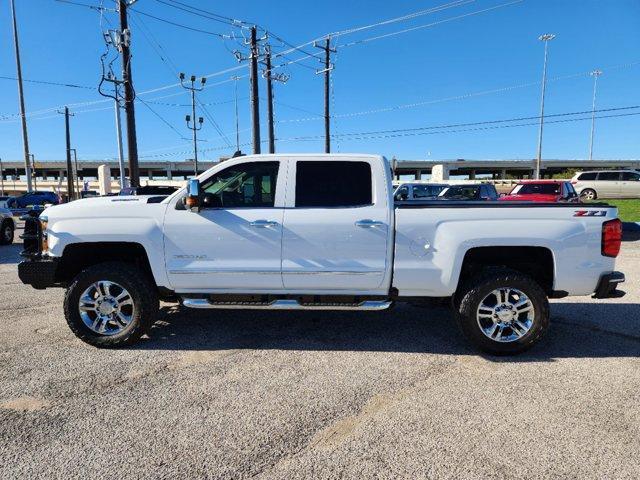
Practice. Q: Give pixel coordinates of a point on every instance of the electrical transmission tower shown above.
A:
(326, 46)
(196, 126)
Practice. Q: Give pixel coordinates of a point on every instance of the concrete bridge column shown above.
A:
(169, 172)
(503, 173)
(104, 179)
(440, 173)
(418, 175)
(472, 175)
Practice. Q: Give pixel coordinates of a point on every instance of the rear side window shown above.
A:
(630, 176)
(587, 176)
(609, 176)
(333, 184)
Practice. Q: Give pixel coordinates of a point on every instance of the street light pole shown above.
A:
(200, 120)
(595, 74)
(544, 38)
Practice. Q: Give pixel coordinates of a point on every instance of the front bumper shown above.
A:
(40, 272)
(608, 286)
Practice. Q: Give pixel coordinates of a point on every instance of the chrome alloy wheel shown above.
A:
(106, 307)
(588, 195)
(505, 315)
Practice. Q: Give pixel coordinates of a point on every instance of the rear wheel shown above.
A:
(111, 304)
(588, 194)
(6, 232)
(502, 312)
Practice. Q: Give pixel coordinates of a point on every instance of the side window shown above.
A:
(571, 192)
(610, 176)
(587, 176)
(630, 176)
(246, 185)
(333, 184)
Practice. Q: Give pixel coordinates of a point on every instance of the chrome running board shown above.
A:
(368, 305)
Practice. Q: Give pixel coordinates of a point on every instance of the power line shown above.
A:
(160, 117)
(180, 25)
(428, 25)
(45, 82)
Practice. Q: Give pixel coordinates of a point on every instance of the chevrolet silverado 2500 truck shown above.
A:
(318, 232)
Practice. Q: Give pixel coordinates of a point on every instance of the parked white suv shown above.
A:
(607, 184)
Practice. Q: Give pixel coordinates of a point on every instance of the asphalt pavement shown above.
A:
(399, 394)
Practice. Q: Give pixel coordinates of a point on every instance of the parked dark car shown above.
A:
(477, 191)
(149, 190)
(418, 191)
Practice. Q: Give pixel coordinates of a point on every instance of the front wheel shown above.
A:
(6, 233)
(503, 312)
(111, 305)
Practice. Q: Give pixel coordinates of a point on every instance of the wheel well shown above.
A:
(78, 256)
(537, 262)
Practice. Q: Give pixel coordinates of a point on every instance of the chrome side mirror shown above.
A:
(192, 201)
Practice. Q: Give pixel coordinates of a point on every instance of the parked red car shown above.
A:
(542, 191)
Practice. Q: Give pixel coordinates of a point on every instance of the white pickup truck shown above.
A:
(318, 232)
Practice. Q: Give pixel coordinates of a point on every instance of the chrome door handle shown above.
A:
(369, 223)
(263, 223)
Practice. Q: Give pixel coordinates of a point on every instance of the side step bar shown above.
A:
(368, 305)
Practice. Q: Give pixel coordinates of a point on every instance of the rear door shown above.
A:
(630, 185)
(337, 226)
(608, 184)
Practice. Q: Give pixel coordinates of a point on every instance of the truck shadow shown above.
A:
(577, 331)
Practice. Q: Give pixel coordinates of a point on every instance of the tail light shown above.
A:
(611, 237)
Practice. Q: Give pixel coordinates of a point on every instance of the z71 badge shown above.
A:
(590, 213)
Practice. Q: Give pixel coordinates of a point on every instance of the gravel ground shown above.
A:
(237, 394)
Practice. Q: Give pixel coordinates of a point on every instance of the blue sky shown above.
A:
(446, 69)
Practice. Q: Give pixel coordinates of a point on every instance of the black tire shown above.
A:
(588, 194)
(143, 293)
(473, 292)
(7, 231)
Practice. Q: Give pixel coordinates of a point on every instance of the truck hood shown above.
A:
(120, 207)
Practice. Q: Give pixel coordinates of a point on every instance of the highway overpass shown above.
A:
(54, 172)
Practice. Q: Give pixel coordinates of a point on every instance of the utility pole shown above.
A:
(70, 189)
(235, 83)
(267, 74)
(123, 177)
(32, 169)
(595, 74)
(193, 89)
(270, 77)
(544, 38)
(124, 46)
(1, 178)
(23, 117)
(255, 105)
(327, 72)
(75, 159)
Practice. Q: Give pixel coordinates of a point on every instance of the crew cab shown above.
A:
(318, 232)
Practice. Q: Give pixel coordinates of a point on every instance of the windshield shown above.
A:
(537, 188)
(461, 192)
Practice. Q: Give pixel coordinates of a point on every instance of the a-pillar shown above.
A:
(104, 179)
(439, 173)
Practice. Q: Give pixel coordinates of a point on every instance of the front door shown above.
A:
(235, 241)
(336, 232)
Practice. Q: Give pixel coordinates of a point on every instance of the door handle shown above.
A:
(369, 223)
(263, 223)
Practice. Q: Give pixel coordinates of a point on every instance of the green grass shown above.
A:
(628, 210)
